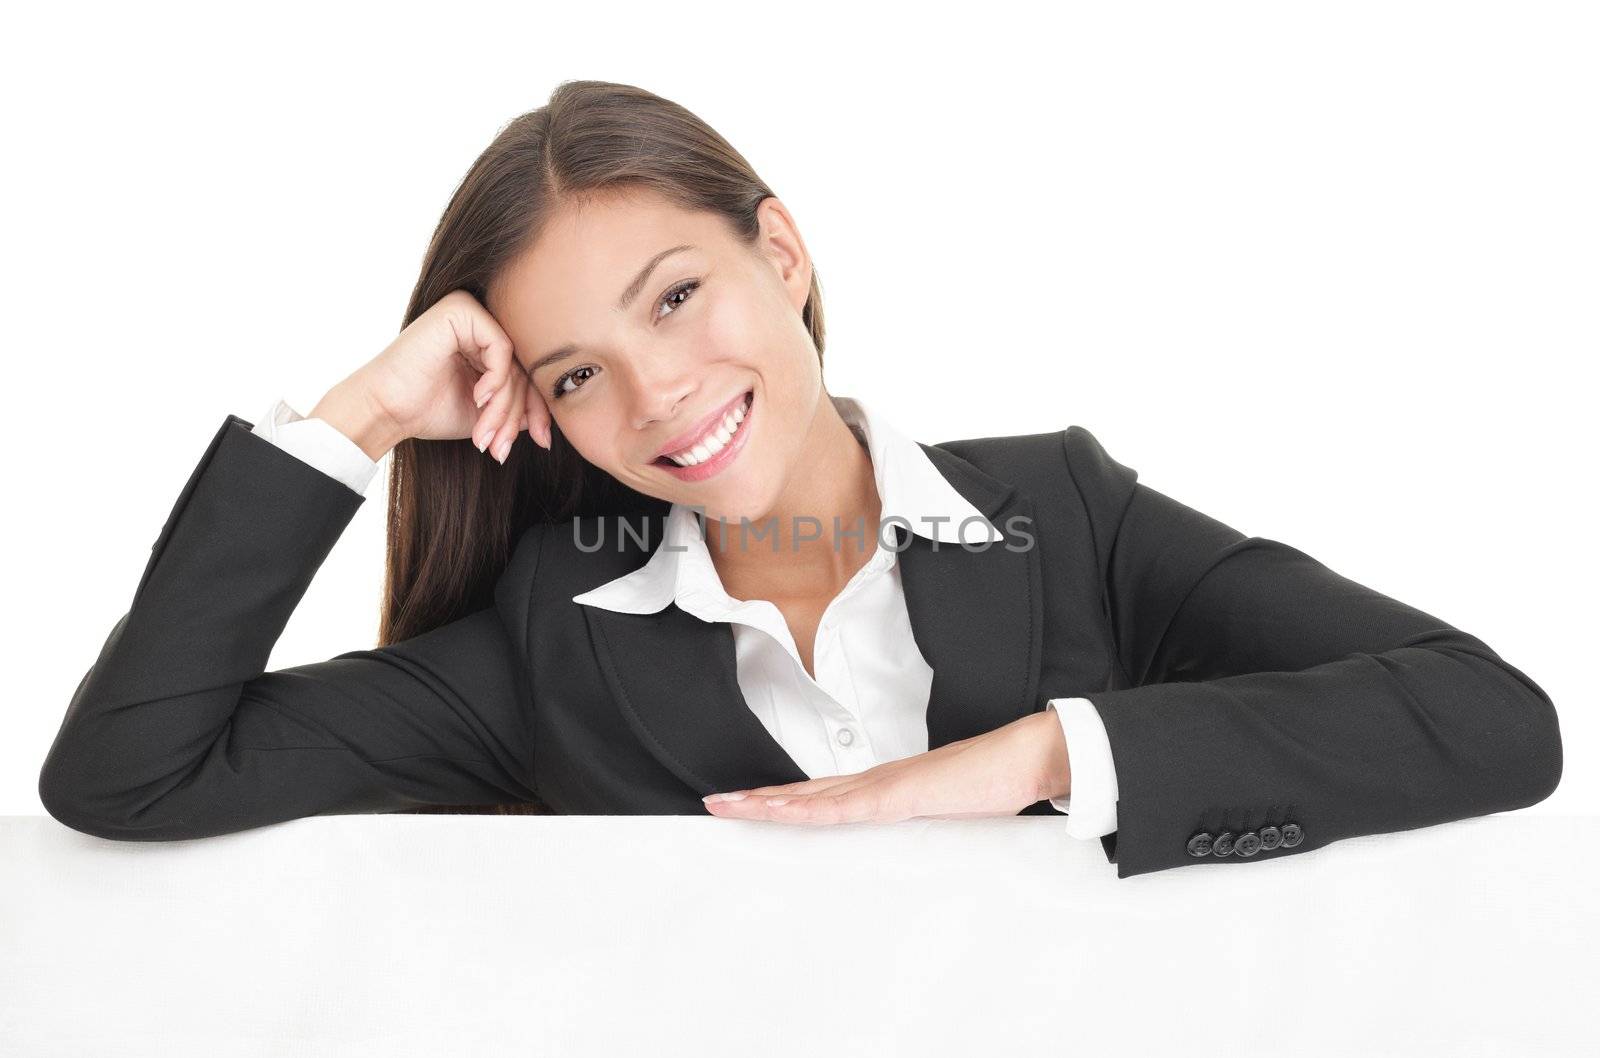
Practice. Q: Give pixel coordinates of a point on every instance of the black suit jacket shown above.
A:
(1244, 686)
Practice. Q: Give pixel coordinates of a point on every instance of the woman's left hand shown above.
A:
(998, 773)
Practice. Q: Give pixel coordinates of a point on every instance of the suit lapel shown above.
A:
(976, 617)
(676, 678)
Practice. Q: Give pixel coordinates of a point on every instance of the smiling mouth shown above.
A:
(714, 441)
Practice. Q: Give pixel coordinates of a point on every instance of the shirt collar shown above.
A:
(911, 490)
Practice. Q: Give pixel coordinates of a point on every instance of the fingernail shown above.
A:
(778, 801)
(481, 401)
(479, 444)
(502, 450)
(725, 797)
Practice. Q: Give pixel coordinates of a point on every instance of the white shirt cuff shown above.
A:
(1092, 806)
(318, 443)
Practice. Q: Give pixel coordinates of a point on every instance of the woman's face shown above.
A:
(653, 342)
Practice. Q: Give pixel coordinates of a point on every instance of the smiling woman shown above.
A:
(993, 626)
(560, 227)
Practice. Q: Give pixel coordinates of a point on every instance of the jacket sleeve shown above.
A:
(1273, 706)
(177, 732)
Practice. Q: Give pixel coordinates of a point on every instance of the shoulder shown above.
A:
(1070, 477)
(577, 554)
(1032, 461)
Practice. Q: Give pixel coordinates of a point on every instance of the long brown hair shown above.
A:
(453, 514)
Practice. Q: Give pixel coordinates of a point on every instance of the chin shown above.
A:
(733, 513)
(736, 502)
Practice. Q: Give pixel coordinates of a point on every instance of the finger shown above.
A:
(493, 419)
(488, 360)
(488, 349)
(851, 806)
(746, 807)
(496, 389)
(489, 385)
(854, 806)
(538, 412)
(484, 387)
(483, 429)
(506, 436)
(796, 788)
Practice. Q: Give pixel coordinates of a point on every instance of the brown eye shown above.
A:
(688, 286)
(557, 392)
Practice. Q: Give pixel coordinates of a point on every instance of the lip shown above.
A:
(726, 455)
(701, 428)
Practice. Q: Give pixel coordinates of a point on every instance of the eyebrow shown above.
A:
(629, 293)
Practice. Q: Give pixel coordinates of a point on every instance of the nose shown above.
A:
(656, 399)
(658, 405)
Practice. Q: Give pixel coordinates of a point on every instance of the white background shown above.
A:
(1327, 274)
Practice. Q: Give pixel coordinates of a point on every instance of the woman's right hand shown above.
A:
(431, 380)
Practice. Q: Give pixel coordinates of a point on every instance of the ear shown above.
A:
(781, 244)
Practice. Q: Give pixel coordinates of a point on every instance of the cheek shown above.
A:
(752, 339)
(726, 334)
(749, 332)
(588, 432)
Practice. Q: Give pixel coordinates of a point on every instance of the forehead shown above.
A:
(565, 286)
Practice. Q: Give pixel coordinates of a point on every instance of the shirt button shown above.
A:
(845, 736)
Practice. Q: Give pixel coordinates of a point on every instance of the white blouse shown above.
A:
(867, 704)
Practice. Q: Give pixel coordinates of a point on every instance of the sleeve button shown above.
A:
(1223, 845)
(1247, 844)
(1200, 844)
(1292, 835)
(1271, 838)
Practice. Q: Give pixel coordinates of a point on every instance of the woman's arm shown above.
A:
(1269, 689)
(177, 732)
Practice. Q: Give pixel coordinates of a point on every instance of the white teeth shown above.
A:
(713, 442)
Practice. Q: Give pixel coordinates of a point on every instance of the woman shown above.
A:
(705, 575)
